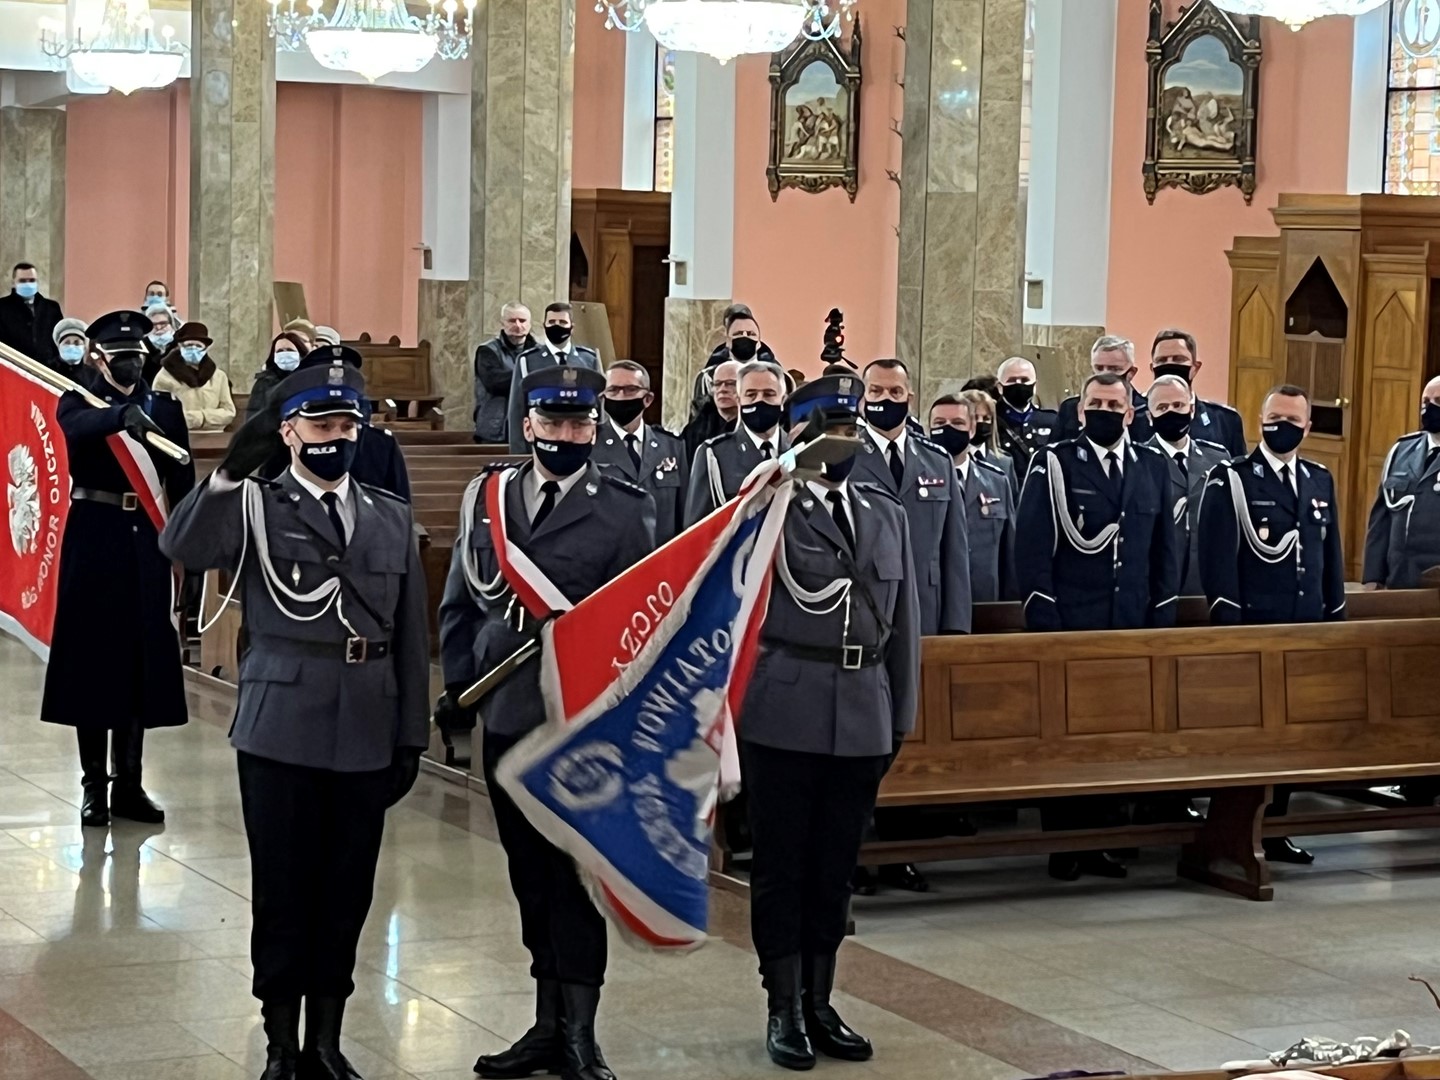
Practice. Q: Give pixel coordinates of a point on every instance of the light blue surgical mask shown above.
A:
(72, 354)
(162, 338)
(192, 354)
(287, 361)
(27, 289)
(153, 301)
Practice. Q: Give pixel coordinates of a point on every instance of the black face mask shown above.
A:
(125, 370)
(558, 335)
(1182, 370)
(837, 470)
(624, 410)
(953, 439)
(1103, 427)
(1018, 395)
(1282, 437)
(562, 458)
(886, 415)
(1430, 417)
(328, 460)
(744, 348)
(760, 416)
(983, 428)
(1172, 426)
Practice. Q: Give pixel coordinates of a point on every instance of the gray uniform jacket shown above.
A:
(819, 707)
(664, 473)
(990, 527)
(730, 458)
(599, 529)
(533, 360)
(294, 706)
(1187, 492)
(931, 498)
(1403, 537)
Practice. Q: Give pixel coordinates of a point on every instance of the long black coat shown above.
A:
(115, 654)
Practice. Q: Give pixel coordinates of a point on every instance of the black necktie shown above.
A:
(960, 482)
(634, 450)
(332, 507)
(842, 519)
(1180, 460)
(765, 451)
(1112, 470)
(551, 489)
(1285, 477)
(897, 464)
(1430, 459)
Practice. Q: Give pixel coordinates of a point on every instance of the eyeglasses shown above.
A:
(728, 384)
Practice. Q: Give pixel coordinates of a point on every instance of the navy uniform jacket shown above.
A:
(724, 460)
(815, 706)
(1067, 426)
(664, 472)
(598, 530)
(1131, 582)
(1187, 491)
(1217, 422)
(1020, 439)
(380, 463)
(534, 359)
(990, 527)
(1004, 462)
(931, 498)
(1307, 585)
(295, 706)
(1403, 537)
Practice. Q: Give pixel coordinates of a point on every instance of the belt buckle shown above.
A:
(848, 651)
(129, 501)
(356, 650)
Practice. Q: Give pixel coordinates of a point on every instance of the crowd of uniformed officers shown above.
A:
(1098, 515)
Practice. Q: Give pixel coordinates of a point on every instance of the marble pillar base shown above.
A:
(1073, 345)
(32, 194)
(692, 330)
(442, 322)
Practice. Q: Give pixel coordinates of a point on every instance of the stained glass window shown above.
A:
(664, 118)
(1412, 131)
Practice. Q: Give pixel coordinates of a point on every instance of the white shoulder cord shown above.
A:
(837, 591)
(492, 590)
(717, 485)
(1270, 553)
(1060, 511)
(1403, 501)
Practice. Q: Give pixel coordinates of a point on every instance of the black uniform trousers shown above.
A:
(808, 813)
(314, 840)
(559, 924)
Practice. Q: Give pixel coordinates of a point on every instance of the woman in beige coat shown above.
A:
(202, 389)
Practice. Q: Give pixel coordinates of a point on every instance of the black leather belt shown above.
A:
(128, 501)
(849, 657)
(355, 650)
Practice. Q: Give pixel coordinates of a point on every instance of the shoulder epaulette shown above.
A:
(1411, 435)
(1213, 445)
(371, 489)
(1147, 448)
(717, 438)
(1221, 405)
(663, 431)
(876, 489)
(926, 441)
(1314, 465)
(624, 485)
(987, 465)
(165, 394)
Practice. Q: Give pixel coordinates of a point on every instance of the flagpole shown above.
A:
(59, 382)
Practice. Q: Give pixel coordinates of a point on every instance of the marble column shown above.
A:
(692, 330)
(232, 179)
(32, 194)
(962, 212)
(443, 324)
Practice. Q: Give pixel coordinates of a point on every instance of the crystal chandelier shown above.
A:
(1296, 13)
(123, 54)
(726, 29)
(373, 38)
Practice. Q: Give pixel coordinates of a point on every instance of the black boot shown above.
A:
(282, 1038)
(831, 1035)
(539, 1050)
(577, 1027)
(321, 1059)
(95, 807)
(785, 1037)
(128, 798)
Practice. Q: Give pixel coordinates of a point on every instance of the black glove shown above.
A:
(450, 718)
(136, 422)
(257, 441)
(404, 770)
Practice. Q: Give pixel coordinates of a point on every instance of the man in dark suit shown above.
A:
(722, 463)
(644, 454)
(1110, 355)
(1402, 540)
(27, 319)
(580, 527)
(989, 503)
(556, 349)
(1190, 459)
(1174, 353)
(495, 369)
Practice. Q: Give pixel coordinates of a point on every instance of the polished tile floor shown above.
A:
(123, 955)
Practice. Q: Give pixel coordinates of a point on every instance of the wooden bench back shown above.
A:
(395, 371)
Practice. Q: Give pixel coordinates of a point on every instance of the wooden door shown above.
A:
(1252, 330)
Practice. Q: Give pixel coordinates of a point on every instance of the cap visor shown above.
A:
(315, 409)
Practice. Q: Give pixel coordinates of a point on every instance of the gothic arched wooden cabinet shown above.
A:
(1339, 303)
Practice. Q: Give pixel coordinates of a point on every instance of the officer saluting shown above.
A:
(834, 690)
(1403, 537)
(333, 709)
(642, 453)
(579, 527)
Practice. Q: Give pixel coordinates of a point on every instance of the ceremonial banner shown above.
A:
(37, 498)
(641, 681)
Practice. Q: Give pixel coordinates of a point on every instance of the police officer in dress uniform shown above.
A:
(1115, 356)
(333, 708)
(1174, 353)
(557, 350)
(580, 526)
(834, 690)
(1095, 549)
(988, 500)
(1270, 543)
(722, 463)
(1403, 537)
(115, 650)
(1024, 426)
(644, 454)
(379, 461)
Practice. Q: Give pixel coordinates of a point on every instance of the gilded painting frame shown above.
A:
(815, 116)
(1204, 100)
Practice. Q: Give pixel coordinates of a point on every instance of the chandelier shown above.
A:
(726, 29)
(1296, 13)
(373, 37)
(123, 54)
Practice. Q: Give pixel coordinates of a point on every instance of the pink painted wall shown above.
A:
(1167, 261)
(597, 150)
(799, 256)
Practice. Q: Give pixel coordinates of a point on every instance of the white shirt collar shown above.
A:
(1118, 450)
(622, 434)
(558, 350)
(1276, 465)
(1171, 449)
(342, 489)
(882, 443)
(536, 481)
(963, 467)
(1434, 439)
(822, 492)
(758, 441)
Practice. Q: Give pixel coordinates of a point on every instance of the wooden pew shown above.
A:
(399, 380)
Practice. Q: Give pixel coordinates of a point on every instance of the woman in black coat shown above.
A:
(275, 371)
(115, 650)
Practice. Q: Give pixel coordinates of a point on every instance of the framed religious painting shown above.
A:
(815, 116)
(1204, 100)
